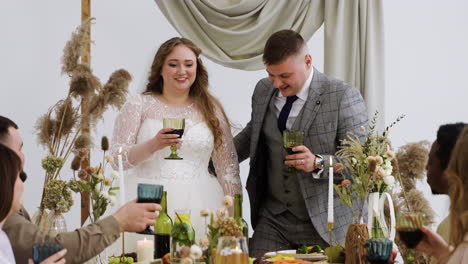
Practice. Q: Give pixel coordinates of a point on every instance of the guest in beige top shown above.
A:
(457, 179)
(81, 244)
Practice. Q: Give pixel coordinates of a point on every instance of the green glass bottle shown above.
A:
(162, 228)
(238, 215)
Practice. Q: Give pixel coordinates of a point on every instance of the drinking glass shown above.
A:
(149, 193)
(182, 235)
(232, 250)
(379, 250)
(178, 124)
(408, 228)
(292, 138)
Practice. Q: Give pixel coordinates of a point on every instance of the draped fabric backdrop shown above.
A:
(233, 33)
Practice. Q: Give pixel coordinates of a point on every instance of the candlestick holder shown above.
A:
(330, 226)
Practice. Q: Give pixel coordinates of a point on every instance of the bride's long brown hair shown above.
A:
(205, 102)
(457, 178)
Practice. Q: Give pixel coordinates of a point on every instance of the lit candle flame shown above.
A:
(120, 150)
(331, 161)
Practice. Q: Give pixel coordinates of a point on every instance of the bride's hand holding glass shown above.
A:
(162, 140)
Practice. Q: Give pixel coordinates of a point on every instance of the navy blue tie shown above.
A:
(284, 114)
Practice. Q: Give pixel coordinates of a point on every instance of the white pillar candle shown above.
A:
(121, 179)
(145, 250)
(330, 192)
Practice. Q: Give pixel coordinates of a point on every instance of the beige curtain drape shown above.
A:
(233, 33)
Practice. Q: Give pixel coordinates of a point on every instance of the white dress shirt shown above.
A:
(280, 101)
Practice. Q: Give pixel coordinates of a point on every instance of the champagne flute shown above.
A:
(178, 124)
(408, 228)
(149, 193)
(292, 138)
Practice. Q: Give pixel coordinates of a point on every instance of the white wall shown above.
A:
(426, 62)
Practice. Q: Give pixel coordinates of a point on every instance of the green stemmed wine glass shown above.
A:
(178, 124)
(292, 138)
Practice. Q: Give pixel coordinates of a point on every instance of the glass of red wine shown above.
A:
(409, 228)
(292, 138)
(149, 193)
(178, 126)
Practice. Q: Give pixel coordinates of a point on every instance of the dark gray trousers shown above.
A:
(283, 231)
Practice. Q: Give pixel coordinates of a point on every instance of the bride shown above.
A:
(178, 88)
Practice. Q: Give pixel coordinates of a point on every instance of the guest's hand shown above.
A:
(304, 160)
(135, 217)
(433, 244)
(56, 258)
(162, 140)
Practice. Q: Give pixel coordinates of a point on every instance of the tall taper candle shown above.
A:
(121, 179)
(330, 192)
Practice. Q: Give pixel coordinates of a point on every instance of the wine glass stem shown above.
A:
(174, 150)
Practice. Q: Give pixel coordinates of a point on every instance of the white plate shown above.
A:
(310, 256)
(270, 254)
(287, 252)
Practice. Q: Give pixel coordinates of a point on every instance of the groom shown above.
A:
(289, 209)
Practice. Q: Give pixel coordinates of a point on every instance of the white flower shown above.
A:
(353, 161)
(104, 194)
(205, 212)
(227, 201)
(110, 159)
(203, 241)
(111, 200)
(389, 180)
(221, 213)
(195, 252)
(115, 175)
(107, 181)
(388, 167)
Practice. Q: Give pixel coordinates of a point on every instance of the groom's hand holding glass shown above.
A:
(303, 159)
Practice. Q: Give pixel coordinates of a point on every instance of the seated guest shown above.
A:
(456, 176)
(11, 190)
(81, 244)
(439, 157)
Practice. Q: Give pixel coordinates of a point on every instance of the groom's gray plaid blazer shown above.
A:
(333, 108)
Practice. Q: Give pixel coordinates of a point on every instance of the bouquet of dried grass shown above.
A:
(62, 129)
(411, 166)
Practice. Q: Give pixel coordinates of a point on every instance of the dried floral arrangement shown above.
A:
(411, 167)
(220, 225)
(94, 181)
(369, 163)
(61, 130)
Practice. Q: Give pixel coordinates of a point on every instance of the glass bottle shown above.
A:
(238, 216)
(162, 228)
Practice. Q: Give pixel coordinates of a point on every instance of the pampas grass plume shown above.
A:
(75, 47)
(83, 141)
(83, 83)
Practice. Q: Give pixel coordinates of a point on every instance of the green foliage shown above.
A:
(183, 233)
(51, 164)
(57, 196)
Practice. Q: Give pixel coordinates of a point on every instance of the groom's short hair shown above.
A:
(281, 45)
(5, 124)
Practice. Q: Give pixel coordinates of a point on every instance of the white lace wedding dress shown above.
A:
(187, 182)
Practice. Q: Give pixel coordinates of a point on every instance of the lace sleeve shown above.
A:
(225, 160)
(126, 129)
